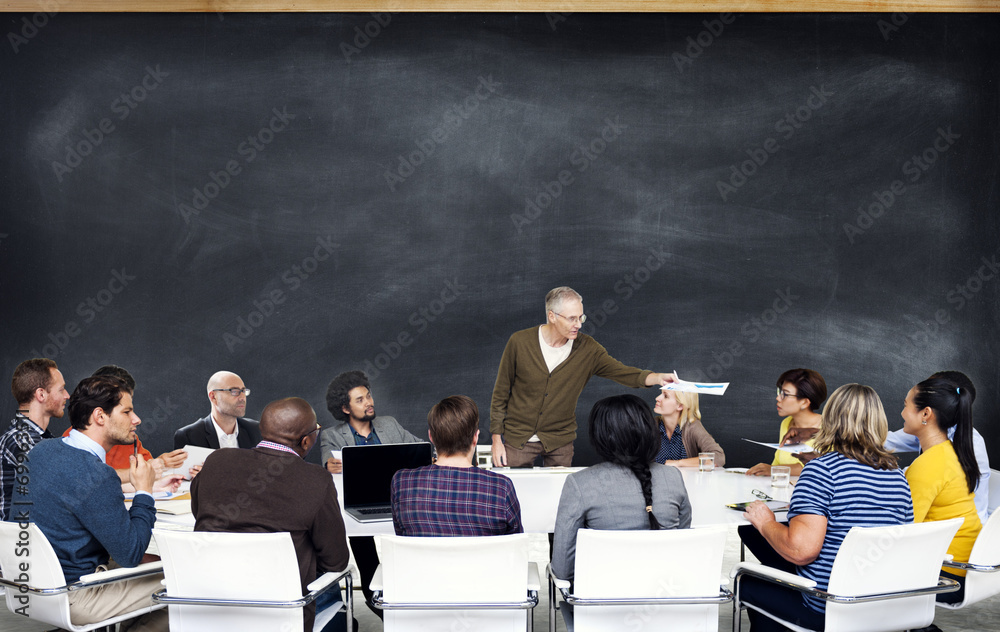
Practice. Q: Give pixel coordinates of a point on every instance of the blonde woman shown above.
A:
(682, 436)
(854, 482)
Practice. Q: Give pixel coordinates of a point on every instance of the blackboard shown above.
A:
(291, 196)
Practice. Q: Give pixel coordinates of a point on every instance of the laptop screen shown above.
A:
(368, 469)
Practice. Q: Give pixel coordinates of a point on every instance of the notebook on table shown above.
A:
(368, 471)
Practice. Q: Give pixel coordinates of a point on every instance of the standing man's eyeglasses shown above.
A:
(576, 320)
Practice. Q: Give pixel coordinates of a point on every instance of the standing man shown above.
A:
(452, 497)
(279, 492)
(76, 500)
(349, 400)
(225, 426)
(542, 373)
(40, 392)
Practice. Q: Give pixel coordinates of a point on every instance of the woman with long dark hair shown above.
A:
(628, 490)
(944, 477)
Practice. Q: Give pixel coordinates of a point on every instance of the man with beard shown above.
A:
(40, 392)
(76, 500)
(349, 400)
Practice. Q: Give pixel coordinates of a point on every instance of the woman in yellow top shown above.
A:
(800, 394)
(943, 478)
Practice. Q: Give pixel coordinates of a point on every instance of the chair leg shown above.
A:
(552, 606)
(737, 606)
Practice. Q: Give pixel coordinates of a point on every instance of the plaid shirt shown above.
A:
(15, 444)
(452, 501)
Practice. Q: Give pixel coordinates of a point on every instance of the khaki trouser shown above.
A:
(110, 600)
(532, 450)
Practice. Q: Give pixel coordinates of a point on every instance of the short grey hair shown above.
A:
(554, 299)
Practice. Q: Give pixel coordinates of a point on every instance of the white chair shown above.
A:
(982, 577)
(883, 579)
(484, 584)
(40, 592)
(240, 581)
(643, 580)
(993, 499)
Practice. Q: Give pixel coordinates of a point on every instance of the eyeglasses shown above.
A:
(235, 392)
(761, 495)
(313, 431)
(575, 320)
(782, 395)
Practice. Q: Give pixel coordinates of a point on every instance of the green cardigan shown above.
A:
(529, 400)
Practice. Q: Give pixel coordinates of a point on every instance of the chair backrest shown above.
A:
(993, 499)
(250, 566)
(986, 550)
(476, 570)
(30, 546)
(878, 560)
(637, 564)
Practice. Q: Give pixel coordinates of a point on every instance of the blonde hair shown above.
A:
(691, 410)
(855, 426)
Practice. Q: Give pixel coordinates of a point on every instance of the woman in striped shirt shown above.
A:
(854, 483)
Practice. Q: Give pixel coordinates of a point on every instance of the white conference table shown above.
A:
(538, 491)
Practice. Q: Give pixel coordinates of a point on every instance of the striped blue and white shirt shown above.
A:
(848, 494)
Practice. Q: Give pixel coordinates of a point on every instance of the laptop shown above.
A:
(368, 471)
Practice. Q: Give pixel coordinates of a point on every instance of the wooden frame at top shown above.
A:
(666, 6)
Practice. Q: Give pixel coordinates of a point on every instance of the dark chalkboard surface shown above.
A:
(291, 196)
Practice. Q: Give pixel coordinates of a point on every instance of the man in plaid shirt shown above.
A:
(40, 392)
(452, 497)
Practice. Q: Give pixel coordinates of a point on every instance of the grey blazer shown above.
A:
(387, 428)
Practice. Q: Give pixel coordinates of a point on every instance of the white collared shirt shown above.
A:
(227, 440)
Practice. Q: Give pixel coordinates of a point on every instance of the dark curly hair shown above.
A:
(339, 389)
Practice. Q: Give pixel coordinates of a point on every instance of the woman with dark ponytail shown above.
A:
(944, 477)
(628, 491)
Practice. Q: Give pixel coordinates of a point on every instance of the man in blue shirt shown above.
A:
(75, 499)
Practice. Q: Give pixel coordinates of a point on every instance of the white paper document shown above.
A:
(794, 448)
(196, 455)
(705, 388)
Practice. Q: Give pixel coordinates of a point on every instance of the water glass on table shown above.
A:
(780, 475)
(706, 461)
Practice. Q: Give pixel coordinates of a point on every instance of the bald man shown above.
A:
(225, 426)
(271, 489)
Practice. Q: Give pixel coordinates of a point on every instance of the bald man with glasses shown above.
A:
(225, 426)
(542, 373)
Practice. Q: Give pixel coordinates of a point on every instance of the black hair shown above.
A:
(952, 405)
(113, 370)
(808, 383)
(104, 392)
(337, 394)
(623, 431)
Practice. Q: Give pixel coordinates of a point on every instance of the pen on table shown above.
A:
(135, 446)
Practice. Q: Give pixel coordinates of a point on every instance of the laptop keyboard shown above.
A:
(374, 510)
